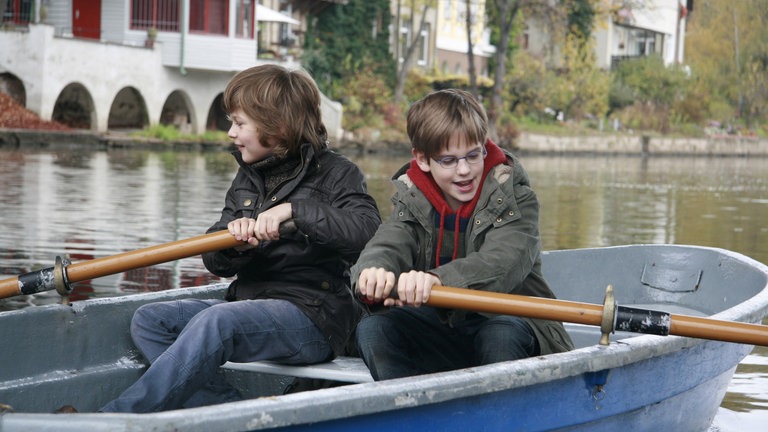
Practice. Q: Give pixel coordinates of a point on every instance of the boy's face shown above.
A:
(245, 136)
(460, 171)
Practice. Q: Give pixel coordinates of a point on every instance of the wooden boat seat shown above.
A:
(344, 369)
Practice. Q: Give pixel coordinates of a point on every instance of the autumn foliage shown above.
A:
(15, 116)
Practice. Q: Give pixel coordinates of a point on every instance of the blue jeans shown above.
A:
(406, 341)
(185, 342)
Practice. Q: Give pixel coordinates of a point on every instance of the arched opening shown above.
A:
(11, 85)
(177, 111)
(128, 110)
(217, 118)
(75, 108)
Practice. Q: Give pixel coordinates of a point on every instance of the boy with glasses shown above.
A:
(464, 215)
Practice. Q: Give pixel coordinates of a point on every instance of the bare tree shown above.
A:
(505, 13)
(470, 50)
(413, 42)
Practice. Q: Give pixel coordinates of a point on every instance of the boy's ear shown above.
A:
(421, 160)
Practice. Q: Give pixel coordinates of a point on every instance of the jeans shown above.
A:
(406, 341)
(185, 342)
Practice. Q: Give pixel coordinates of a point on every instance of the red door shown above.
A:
(86, 19)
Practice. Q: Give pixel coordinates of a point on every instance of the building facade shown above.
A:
(128, 64)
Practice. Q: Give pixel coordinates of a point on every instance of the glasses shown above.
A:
(473, 157)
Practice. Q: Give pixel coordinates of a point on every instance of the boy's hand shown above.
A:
(374, 285)
(413, 288)
(265, 227)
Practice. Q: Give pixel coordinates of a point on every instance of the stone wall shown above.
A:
(643, 144)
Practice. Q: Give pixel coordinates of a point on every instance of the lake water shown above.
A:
(88, 204)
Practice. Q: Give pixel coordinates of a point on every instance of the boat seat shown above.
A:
(344, 369)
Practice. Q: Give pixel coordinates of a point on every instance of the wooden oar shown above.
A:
(622, 318)
(47, 279)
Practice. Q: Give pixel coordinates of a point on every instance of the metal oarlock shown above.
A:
(60, 281)
(608, 323)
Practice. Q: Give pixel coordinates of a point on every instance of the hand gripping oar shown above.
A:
(608, 316)
(62, 274)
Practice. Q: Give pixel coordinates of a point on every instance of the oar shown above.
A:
(53, 277)
(608, 316)
(62, 274)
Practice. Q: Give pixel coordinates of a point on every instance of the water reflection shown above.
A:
(89, 204)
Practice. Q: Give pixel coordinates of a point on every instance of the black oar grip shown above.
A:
(642, 321)
(46, 279)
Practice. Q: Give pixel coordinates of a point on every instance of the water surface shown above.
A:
(88, 204)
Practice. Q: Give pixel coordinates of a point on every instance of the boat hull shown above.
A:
(82, 355)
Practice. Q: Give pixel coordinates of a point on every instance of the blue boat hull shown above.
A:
(82, 354)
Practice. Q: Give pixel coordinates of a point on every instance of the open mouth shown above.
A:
(464, 186)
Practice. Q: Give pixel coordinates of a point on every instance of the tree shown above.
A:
(411, 41)
(581, 87)
(653, 88)
(725, 47)
(470, 48)
(345, 39)
(503, 15)
(347, 52)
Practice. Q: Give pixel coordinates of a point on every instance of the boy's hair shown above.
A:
(440, 115)
(285, 104)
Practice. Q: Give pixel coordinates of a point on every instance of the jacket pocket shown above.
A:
(246, 202)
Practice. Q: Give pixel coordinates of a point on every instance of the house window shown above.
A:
(208, 16)
(244, 19)
(17, 11)
(160, 14)
(423, 47)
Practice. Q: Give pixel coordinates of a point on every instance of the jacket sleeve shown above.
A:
(393, 248)
(347, 219)
(227, 262)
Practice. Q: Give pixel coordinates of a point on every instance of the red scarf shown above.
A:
(426, 184)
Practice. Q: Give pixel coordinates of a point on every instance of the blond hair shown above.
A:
(285, 104)
(433, 120)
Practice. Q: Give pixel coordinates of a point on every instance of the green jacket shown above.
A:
(502, 244)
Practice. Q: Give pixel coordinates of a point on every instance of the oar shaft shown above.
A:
(113, 264)
(727, 331)
(511, 304)
(589, 314)
(153, 255)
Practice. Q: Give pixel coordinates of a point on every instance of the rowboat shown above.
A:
(81, 354)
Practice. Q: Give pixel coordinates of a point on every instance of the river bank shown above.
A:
(526, 143)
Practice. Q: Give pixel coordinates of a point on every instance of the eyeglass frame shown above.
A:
(466, 157)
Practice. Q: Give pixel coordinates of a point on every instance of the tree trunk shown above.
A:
(507, 11)
(410, 54)
(470, 52)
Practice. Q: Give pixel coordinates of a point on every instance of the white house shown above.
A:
(112, 64)
(626, 30)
